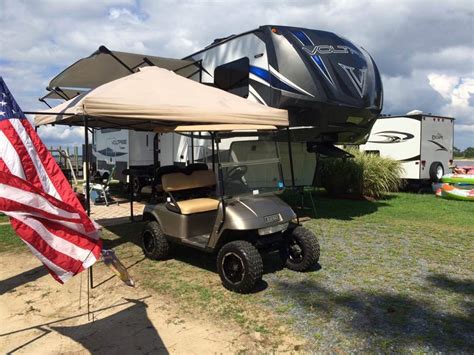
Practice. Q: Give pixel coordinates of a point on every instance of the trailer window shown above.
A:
(109, 130)
(233, 77)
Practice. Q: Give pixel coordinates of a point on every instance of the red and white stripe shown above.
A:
(43, 209)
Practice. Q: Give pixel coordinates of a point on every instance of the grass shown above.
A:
(395, 276)
(363, 175)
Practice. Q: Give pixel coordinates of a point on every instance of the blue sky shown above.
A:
(424, 49)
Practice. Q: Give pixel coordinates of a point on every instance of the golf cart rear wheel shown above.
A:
(240, 266)
(301, 249)
(155, 244)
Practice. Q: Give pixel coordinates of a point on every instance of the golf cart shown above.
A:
(231, 210)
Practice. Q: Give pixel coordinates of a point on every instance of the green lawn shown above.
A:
(3, 218)
(394, 276)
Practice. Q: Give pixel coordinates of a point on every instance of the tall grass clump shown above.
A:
(363, 175)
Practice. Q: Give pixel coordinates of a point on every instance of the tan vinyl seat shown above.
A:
(198, 205)
(197, 179)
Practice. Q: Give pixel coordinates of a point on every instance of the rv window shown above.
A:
(233, 77)
(108, 130)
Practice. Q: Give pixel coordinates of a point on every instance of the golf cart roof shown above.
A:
(156, 98)
(105, 65)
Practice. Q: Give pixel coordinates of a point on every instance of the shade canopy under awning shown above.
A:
(105, 65)
(156, 97)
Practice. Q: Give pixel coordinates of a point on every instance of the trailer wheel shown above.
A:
(240, 266)
(301, 250)
(155, 245)
(136, 185)
(436, 171)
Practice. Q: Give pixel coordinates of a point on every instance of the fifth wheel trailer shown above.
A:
(422, 143)
(331, 88)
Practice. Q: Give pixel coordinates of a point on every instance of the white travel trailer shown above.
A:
(128, 149)
(422, 143)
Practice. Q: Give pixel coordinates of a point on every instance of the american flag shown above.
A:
(43, 209)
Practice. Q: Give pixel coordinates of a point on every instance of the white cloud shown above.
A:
(456, 92)
(443, 84)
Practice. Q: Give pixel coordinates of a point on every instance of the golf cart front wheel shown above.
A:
(155, 245)
(300, 251)
(240, 266)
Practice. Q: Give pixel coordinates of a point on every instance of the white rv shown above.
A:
(127, 149)
(422, 143)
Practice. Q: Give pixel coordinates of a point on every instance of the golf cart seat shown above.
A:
(198, 183)
(195, 167)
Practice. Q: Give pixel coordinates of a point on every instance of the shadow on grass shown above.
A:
(465, 287)
(389, 322)
(207, 261)
(126, 233)
(317, 204)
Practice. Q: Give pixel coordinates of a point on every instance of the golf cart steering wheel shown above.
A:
(236, 173)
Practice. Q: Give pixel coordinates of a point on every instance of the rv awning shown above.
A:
(105, 65)
(63, 94)
(155, 97)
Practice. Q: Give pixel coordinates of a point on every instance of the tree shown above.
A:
(457, 152)
(469, 152)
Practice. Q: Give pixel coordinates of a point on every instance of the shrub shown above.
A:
(364, 175)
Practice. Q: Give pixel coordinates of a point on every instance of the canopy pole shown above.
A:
(221, 181)
(213, 153)
(90, 281)
(290, 154)
(87, 170)
(192, 148)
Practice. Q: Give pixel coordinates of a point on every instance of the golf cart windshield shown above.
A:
(250, 165)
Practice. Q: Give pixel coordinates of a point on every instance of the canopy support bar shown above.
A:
(105, 50)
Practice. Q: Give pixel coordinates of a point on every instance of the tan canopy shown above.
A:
(155, 97)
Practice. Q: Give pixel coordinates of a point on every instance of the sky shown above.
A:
(423, 49)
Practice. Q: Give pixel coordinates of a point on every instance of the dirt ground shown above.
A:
(38, 316)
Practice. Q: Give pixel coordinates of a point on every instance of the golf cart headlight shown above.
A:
(273, 229)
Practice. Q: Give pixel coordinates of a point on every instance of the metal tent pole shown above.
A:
(90, 282)
(213, 152)
(130, 182)
(86, 159)
(290, 154)
(192, 147)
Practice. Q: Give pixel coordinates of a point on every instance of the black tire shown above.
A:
(155, 245)
(436, 171)
(240, 266)
(137, 185)
(301, 249)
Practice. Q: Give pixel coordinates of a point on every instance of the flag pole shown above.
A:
(88, 206)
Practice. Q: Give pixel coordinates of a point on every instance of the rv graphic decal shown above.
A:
(415, 158)
(277, 80)
(326, 49)
(358, 82)
(393, 137)
(441, 147)
(109, 152)
(307, 42)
